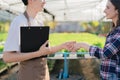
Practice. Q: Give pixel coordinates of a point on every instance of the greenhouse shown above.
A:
(68, 20)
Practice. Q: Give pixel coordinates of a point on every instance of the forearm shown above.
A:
(56, 49)
(92, 52)
(85, 46)
(18, 57)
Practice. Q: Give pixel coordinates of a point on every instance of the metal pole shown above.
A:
(65, 72)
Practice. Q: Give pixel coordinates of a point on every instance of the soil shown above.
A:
(78, 70)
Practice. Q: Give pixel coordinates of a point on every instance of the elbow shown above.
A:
(5, 58)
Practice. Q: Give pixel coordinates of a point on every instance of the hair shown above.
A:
(25, 2)
(116, 3)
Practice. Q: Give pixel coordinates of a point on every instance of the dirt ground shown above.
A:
(78, 70)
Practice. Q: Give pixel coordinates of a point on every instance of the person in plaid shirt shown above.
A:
(110, 54)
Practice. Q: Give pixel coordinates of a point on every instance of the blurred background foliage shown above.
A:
(93, 32)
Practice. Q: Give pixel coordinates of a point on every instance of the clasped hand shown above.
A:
(73, 46)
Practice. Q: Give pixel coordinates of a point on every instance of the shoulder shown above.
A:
(19, 20)
(117, 33)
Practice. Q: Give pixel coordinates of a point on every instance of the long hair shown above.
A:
(25, 2)
(116, 3)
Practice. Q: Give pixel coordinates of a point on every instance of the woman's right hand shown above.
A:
(77, 46)
(44, 50)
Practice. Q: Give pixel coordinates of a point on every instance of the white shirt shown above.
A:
(13, 40)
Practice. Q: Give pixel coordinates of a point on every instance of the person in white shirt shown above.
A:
(30, 69)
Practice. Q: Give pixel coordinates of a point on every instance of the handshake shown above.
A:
(73, 46)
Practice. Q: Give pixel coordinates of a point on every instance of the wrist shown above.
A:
(62, 46)
(38, 53)
(81, 45)
(86, 46)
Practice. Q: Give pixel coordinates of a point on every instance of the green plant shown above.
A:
(1, 48)
(80, 55)
(2, 64)
(4, 26)
(98, 44)
(59, 38)
(3, 36)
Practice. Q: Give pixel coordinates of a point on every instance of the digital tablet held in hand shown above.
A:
(33, 37)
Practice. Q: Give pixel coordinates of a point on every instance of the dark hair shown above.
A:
(116, 3)
(25, 2)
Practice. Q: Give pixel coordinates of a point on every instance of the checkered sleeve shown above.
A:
(108, 51)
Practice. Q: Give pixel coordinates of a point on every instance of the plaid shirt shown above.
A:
(109, 55)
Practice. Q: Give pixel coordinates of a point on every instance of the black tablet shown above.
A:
(31, 38)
